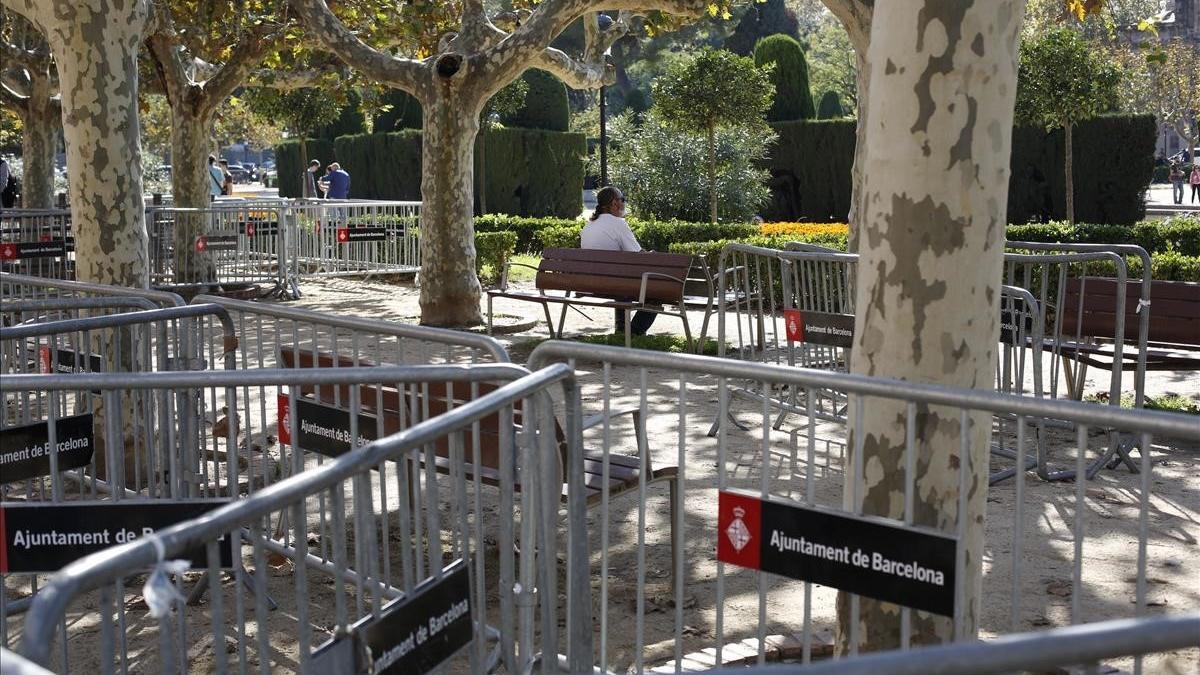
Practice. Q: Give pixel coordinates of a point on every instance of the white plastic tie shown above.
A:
(158, 591)
(1142, 303)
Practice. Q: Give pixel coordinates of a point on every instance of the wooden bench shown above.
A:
(392, 406)
(621, 280)
(1089, 323)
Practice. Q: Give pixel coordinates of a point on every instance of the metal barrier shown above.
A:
(33, 288)
(381, 520)
(351, 238)
(12, 663)
(781, 470)
(37, 242)
(1043, 651)
(236, 242)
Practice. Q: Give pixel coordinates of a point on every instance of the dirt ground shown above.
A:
(1040, 598)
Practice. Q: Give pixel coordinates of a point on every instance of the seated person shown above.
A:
(608, 231)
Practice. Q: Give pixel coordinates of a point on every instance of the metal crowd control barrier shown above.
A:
(245, 243)
(1043, 651)
(779, 471)
(33, 288)
(12, 663)
(37, 242)
(352, 237)
(388, 531)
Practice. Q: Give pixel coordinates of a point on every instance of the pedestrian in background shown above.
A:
(308, 181)
(1176, 179)
(216, 178)
(1195, 181)
(227, 180)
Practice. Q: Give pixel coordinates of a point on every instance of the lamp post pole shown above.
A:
(603, 140)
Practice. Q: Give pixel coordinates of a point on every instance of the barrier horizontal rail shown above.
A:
(37, 242)
(332, 238)
(26, 287)
(1036, 652)
(508, 600)
(671, 391)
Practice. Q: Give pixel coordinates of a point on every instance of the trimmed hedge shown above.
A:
(1180, 234)
(289, 165)
(529, 172)
(793, 98)
(830, 107)
(1114, 161)
(546, 105)
(810, 170)
(526, 230)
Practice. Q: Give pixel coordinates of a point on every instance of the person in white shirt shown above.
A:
(608, 231)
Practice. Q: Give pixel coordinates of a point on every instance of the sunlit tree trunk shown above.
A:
(191, 131)
(450, 290)
(95, 45)
(39, 145)
(943, 84)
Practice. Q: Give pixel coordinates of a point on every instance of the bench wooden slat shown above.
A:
(600, 255)
(626, 270)
(657, 290)
(1174, 310)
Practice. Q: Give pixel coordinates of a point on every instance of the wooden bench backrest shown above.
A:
(613, 274)
(1174, 310)
(438, 396)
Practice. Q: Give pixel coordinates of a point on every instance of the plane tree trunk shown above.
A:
(95, 45)
(943, 83)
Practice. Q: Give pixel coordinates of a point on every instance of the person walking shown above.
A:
(216, 178)
(227, 181)
(608, 231)
(1176, 178)
(1195, 181)
(308, 180)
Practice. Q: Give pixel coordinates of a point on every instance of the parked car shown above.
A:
(238, 172)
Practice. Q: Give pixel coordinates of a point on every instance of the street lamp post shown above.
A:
(605, 21)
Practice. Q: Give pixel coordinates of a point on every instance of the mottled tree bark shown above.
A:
(943, 85)
(95, 45)
(191, 133)
(450, 290)
(39, 144)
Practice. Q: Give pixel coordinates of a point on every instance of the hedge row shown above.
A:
(290, 164)
(810, 169)
(525, 171)
(1180, 234)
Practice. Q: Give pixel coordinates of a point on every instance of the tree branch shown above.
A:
(11, 97)
(855, 16)
(575, 74)
(248, 51)
(288, 80)
(396, 72)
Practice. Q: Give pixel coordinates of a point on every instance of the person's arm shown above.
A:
(627, 240)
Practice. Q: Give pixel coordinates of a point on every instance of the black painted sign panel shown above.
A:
(322, 428)
(819, 328)
(910, 566)
(346, 235)
(25, 450)
(43, 538)
(418, 633)
(67, 361)
(217, 242)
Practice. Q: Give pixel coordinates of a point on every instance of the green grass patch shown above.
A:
(1168, 402)
(524, 273)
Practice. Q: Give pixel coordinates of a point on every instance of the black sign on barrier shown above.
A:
(414, 634)
(819, 328)
(33, 249)
(25, 450)
(322, 428)
(346, 235)
(67, 361)
(43, 538)
(217, 242)
(1015, 323)
(910, 566)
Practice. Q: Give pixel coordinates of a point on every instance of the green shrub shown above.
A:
(546, 105)
(661, 170)
(525, 229)
(830, 107)
(493, 251)
(349, 121)
(289, 164)
(561, 237)
(383, 166)
(1172, 266)
(793, 99)
(659, 235)
(1180, 234)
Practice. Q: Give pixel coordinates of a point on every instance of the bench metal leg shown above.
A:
(562, 319)
(549, 320)
(489, 327)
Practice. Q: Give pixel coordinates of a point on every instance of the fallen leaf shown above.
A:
(1059, 587)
